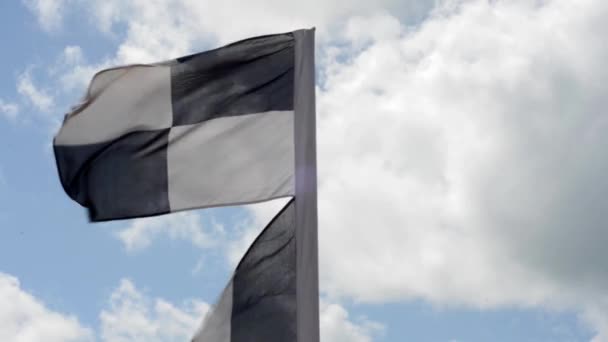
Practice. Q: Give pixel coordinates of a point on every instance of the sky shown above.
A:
(462, 172)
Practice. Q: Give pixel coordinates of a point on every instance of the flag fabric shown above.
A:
(259, 303)
(210, 129)
(227, 126)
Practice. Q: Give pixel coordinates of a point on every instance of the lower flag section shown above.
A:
(259, 303)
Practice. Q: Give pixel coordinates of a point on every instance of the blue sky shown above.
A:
(460, 164)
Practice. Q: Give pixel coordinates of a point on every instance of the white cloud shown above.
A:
(130, 315)
(185, 226)
(471, 151)
(39, 98)
(72, 54)
(336, 326)
(148, 25)
(9, 110)
(163, 29)
(133, 316)
(26, 319)
(72, 69)
(48, 12)
(460, 132)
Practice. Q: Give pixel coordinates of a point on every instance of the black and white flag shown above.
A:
(227, 126)
(258, 304)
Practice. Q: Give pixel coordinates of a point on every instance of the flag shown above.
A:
(228, 126)
(214, 128)
(259, 302)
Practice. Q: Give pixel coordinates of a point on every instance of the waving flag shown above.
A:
(228, 126)
(259, 302)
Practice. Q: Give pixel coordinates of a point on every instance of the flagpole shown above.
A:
(307, 264)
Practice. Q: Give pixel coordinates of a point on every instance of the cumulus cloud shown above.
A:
(185, 226)
(48, 12)
(33, 94)
(466, 168)
(149, 26)
(72, 70)
(130, 315)
(151, 32)
(470, 150)
(133, 316)
(336, 325)
(26, 319)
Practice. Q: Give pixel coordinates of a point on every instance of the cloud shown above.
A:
(151, 32)
(49, 13)
(336, 326)
(469, 147)
(72, 54)
(35, 96)
(73, 70)
(451, 142)
(164, 29)
(133, 316)
(26, 319)
(9, 110)
(185, 226)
